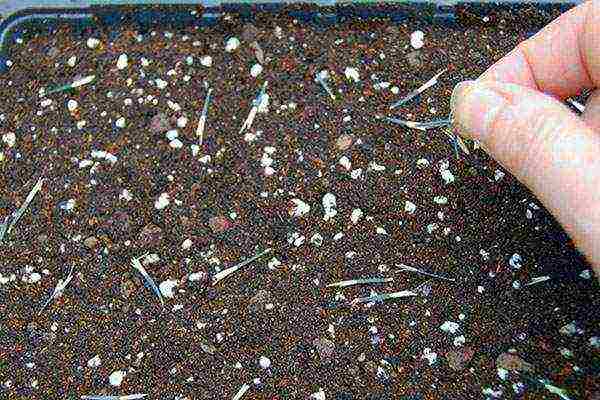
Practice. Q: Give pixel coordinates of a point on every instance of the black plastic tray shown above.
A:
(18, 15)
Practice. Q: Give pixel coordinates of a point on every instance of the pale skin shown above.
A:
(516, 110)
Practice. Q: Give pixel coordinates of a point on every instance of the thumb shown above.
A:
(542, 143)
(591, 115)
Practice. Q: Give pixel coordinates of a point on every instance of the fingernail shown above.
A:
(474, 107)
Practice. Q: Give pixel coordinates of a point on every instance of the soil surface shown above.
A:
(499, 302)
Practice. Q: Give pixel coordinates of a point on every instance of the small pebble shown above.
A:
(516, 261)
(67, 205)
(162, 201)
(91, 242)
(274, 263)
(319, 395)
(187, 244)
(161, 84)
(449, 327)
(299, 208)
(182, 122)
(440, 200)
(206, 61)
(356, 173)
(176, 144)
(344, 142)
(429, 355)
(116, 378)
(72, 105)
(498, 175)
(232, 44)
(264, 362)
(459, 340)
(122, 61)
(94, 362)
(120, 123)
(329, 205)
(198, 276)
(345, 162)
(256, 70)
(356, 215)
(172, 134)
(586, 274)
(167, 287)
(512, 362)
(409, 207)
(352, 74)
(9, 138)
(34, 277)
(316, 239)
(92, 43)
(447, 176)
(416, 39)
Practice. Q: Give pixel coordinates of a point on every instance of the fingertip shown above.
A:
(474, 107)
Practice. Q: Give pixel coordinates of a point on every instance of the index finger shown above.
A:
(561, 59)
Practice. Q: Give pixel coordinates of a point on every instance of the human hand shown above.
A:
(515, 110)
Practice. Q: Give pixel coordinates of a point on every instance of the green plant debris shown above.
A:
(422, 126)
(203, 116)
(107, 397)
(321, 77)
(135, 263)
(404, 267)
(73, 85)
(365, 281)
(59, 289)
(433, 81)
(226, 272)
(562, 393)
(383, 297)
(241, 392)
(4, 230)
(254, 110)
(537, 279)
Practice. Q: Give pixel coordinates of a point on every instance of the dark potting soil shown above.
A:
(498, 303)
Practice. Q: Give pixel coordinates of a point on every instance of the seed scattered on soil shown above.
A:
(201, 229)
